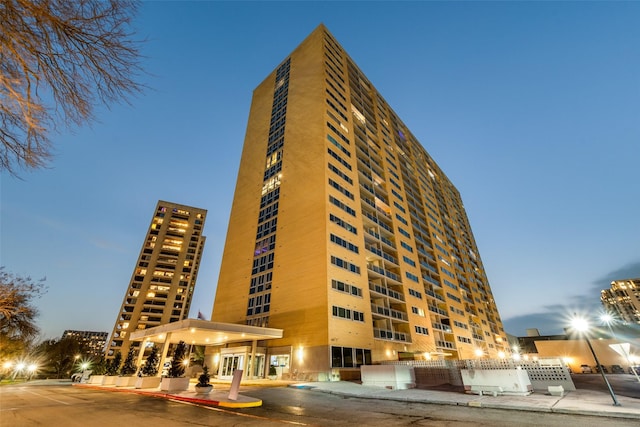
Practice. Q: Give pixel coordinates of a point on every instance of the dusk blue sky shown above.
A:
(532, 109)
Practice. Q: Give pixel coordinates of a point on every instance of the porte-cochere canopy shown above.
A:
(203, 332)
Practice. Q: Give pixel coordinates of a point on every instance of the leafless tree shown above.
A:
(17, 312)
(58, 60)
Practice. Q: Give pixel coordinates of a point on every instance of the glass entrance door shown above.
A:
(258, 369)
(230, 363)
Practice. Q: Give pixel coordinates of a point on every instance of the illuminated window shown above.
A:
(271, 184)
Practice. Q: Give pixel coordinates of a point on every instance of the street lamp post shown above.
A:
(581, 325)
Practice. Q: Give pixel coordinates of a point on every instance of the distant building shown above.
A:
(527, 344)
(94, 342)
(164, 278)
(623, 300)
(344, 232)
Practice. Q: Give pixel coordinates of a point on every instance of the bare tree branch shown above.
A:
(58, 59)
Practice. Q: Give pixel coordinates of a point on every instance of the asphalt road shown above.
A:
(621, 384)
(64, 405)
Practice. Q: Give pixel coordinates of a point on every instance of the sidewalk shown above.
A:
(583, 402)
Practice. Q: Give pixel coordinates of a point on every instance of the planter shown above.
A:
(126, 381)
(96, 379)
(272, 377)
(174, 384)
(148, 382)
(200, 389)
(109, 379)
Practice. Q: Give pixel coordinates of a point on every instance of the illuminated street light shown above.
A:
(31, 369)
(18, 369)
(582, 326)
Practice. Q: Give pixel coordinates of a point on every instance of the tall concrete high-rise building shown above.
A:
(623, 300)
(164, 277)
(344, 232)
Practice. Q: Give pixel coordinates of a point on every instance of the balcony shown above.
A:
(383, 254)
(429, 267)
(377, 220)
(437, 310)
(442, 327)
(434, 295)
(431, 280)
(365, 174)
(445, 344)
(386, 291)
(388, 242)
(384, 272)
(389, 312)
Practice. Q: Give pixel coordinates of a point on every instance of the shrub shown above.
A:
(176, 369)
(129, 365)
(203, 379)
(113, 365)
(100, 367)
(150, 367)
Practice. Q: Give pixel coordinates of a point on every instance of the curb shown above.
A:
(176, 397)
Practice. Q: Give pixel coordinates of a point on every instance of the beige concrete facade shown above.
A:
(344, 232)
(164, 278)
(576, 352)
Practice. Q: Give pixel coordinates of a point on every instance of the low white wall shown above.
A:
(507, 381)
(395, 377)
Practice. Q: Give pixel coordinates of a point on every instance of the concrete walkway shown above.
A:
(584, 402)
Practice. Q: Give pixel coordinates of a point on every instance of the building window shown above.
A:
(348, 357)
(338, 262)
(412, 277)
(346, 288)
(343, 224)
(415, 293)
(421, 330)
(347, 245)
(418, 311)
(345, 313)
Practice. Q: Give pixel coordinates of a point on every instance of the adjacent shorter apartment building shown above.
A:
(344, 232)
(164, 278)
(93, 342)
(623, 300)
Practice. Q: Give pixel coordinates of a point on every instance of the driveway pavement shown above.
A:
(581, 401)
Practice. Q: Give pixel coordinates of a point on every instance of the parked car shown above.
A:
(604, 369)
(637, 369)
(585, 369)
(617, 369)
